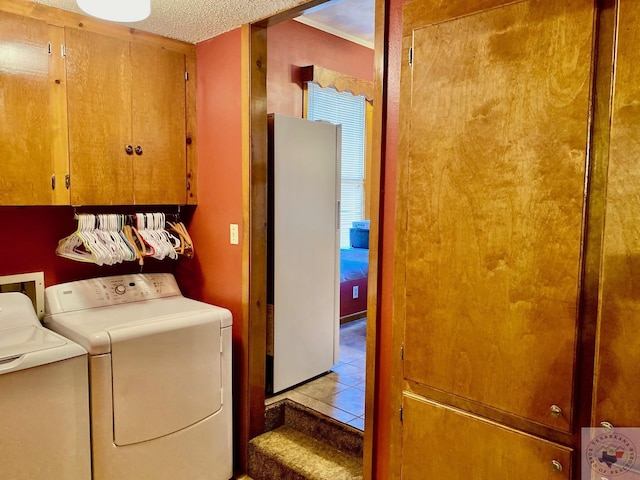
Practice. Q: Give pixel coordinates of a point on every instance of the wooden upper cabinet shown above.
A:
(31, 139)
(99, 106)
(494, 134)
(617, 389)
(126, 104)
(158, 125)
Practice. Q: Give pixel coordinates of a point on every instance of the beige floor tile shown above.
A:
(349, 374)
(350, 400)
(321, 387)
(357, 422)
(322, 407)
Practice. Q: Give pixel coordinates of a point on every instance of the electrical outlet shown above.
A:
(355, 291)
(233, 234)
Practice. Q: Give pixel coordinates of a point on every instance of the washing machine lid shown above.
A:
(16, 310)
(90, 328)
(166, 375)
(25, 340)
(24, 343)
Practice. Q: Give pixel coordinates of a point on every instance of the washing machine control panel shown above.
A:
(105, 291)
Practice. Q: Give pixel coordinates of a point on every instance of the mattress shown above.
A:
(354, 263)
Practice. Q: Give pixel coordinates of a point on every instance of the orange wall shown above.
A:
(215, 274)
(386, 412)
(292, 45)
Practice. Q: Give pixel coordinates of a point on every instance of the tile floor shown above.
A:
(340, 393)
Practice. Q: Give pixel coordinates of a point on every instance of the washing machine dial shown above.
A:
(120, 289)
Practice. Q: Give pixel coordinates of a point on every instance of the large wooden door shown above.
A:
(159, 127)
(27, 96)
(99, 105)
(492, 168)
(617, 391)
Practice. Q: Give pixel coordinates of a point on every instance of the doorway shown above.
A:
(354, 338)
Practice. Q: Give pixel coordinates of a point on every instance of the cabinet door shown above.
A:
(159, 126)
(443, 443)
(99, 106)
(495, 119)
(617, 395)
(26, 96)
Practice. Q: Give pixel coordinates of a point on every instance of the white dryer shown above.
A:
(44, 400)
(160, 376)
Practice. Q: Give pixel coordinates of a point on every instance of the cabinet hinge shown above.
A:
(402, 352)
(401, 414)
(411, 57)
(50, 47)
(53, 181)
(188, 184)
(63, 50)
(186, 76)
(67, 181)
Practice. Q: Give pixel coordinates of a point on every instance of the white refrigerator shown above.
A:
(303, 323)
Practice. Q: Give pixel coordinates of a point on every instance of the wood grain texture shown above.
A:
(418, 14)
(99, 109)
(340, 81)
(192, 133)
(492, 414)
(454, 445)
(617, 392)
(374, 184)
(399, 268)
(59, 121)
(158, 125)
(254, 47)
(496, 152)
(596, 201)
(26, 110)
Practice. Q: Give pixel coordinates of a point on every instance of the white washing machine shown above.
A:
(160, 376)
(44, 399)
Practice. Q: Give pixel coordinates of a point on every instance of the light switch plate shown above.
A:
(233, 234)
(31, 284)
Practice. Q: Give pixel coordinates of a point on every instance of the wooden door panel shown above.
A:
(159, 126)
(25, 112)
(496, 138)
(441, 443)
(617, 390)
(99, 106)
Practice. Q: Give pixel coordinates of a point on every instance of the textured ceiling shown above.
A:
(196, 20)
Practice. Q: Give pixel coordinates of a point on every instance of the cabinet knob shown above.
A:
(138, 150)
(128, 149)
(556, 466)
(556, 411)
(607, 426)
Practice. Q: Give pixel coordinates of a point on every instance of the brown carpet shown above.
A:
(306, 457)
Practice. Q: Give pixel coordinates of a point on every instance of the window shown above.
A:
(347, 110)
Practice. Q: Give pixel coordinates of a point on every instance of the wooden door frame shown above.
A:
(254, 64)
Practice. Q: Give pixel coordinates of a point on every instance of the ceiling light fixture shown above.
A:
(117, 10)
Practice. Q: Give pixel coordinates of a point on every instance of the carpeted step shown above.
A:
(288, 454)
(344, 437)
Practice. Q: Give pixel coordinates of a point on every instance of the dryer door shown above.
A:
(166, 375)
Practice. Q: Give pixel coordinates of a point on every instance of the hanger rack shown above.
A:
(110, 238)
